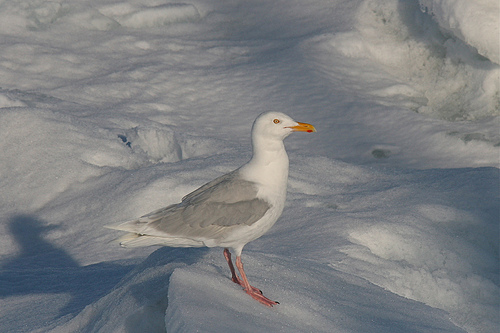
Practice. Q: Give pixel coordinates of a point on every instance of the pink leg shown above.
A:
(257, 295)
(235, 277)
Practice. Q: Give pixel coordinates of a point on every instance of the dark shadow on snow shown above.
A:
(151, 294)
(42, 268)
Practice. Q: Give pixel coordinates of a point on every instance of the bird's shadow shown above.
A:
(42, 268)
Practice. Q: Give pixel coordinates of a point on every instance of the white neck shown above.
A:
(269, 164)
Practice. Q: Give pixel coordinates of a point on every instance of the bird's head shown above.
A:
(277, 126)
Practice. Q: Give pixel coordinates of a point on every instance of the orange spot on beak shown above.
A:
(303, 127)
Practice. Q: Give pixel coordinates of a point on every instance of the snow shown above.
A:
(475, 22)
(111, 109)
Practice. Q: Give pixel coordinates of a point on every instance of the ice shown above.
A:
(442, 75)
(315, 298)
(112, 109)
(475, 22)
(132, 16)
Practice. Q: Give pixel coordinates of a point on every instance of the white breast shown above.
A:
(271, 181)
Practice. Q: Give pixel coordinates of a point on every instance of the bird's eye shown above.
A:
(276, 121)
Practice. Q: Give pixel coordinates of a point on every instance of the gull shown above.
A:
(231, 210)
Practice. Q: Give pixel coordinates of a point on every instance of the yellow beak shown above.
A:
(303, 127)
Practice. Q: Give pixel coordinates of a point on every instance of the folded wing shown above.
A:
(208, 213)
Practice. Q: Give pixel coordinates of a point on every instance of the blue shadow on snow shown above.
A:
(42, 268)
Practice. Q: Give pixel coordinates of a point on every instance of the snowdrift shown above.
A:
(111, 109)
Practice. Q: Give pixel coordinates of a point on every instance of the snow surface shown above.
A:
(475, 22)
(111, 109)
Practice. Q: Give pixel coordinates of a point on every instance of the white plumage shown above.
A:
(231, 210)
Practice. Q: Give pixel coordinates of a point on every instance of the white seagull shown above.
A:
(231, 210)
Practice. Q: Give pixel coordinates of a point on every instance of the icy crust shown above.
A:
(40, 15)
(437, 74)
(312, 296)
(143, 16)
(475, 22)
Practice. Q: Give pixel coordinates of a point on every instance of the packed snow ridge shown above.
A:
(112, 109)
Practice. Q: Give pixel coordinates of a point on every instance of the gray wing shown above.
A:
(222, 179)
(209, 211)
